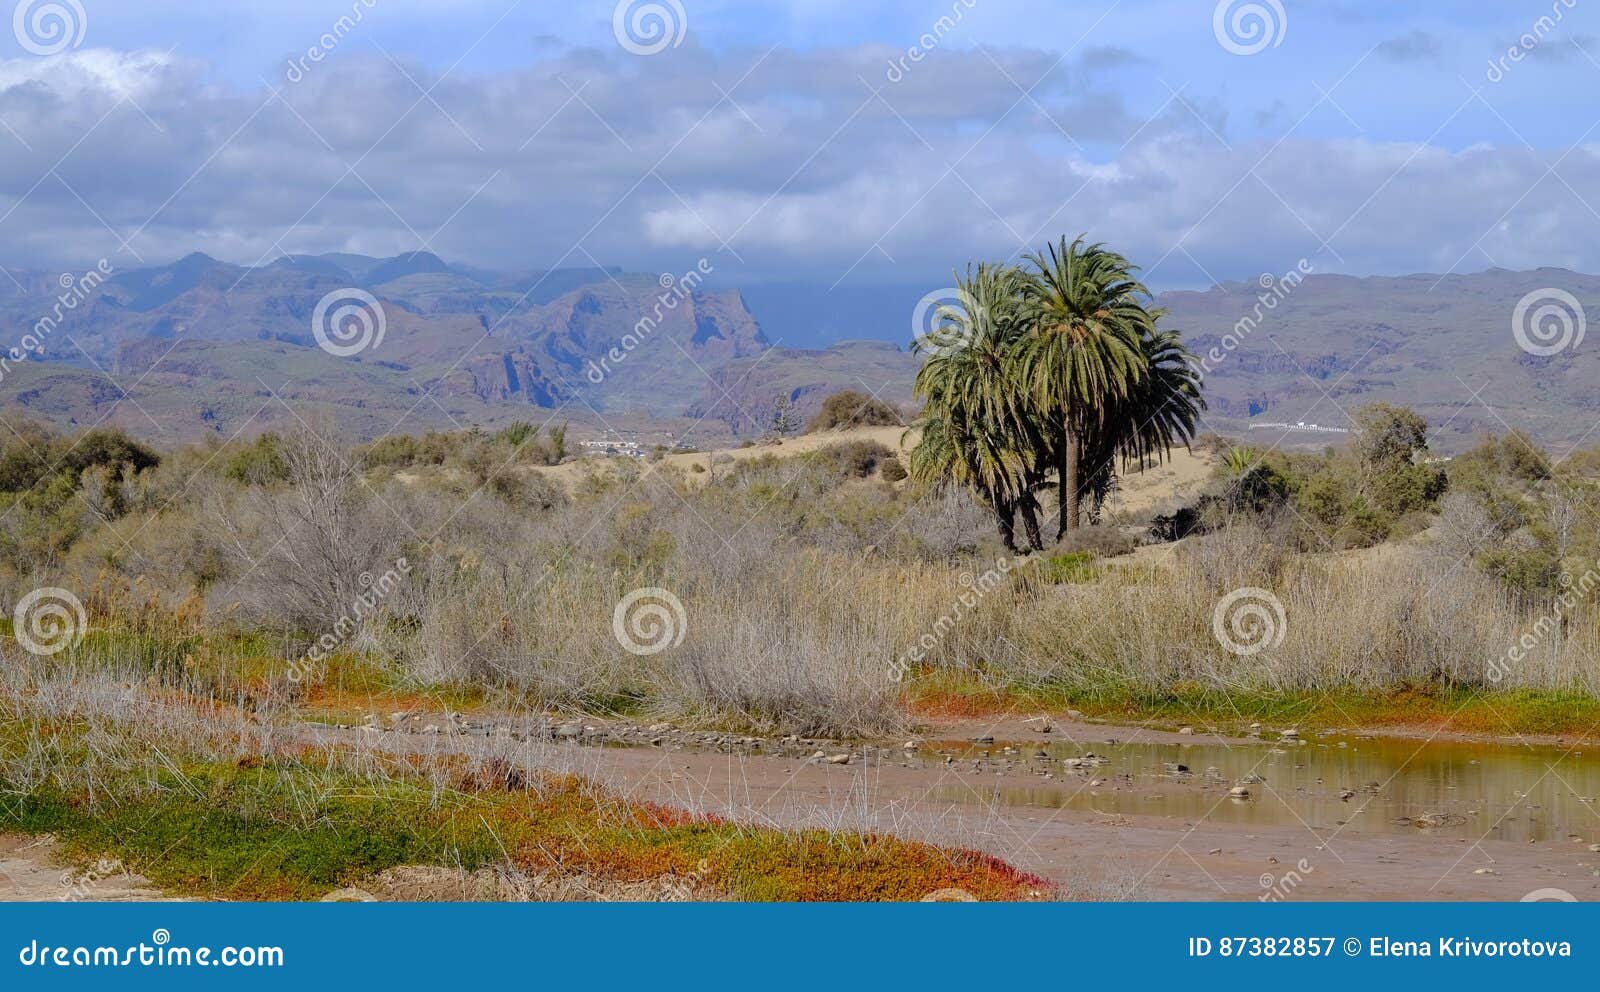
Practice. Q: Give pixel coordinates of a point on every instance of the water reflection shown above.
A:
(1384, 785)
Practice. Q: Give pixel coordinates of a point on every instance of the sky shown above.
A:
(834, 145)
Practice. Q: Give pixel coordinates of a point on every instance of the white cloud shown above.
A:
(803, 170)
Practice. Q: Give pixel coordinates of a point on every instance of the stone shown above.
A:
(838, 759)
(569, 731)
(1239, 792)
(1186, 731)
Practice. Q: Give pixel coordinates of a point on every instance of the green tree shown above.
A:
(1084, 351)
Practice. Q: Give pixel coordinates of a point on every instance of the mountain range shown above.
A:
(202, 347)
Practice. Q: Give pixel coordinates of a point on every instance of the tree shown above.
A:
(975, 427)
(784, 419)
(1084, 350)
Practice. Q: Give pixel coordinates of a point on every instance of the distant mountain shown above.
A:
(200, 345)
(1442, 345)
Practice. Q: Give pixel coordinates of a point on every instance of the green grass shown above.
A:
(296, 826)
(1497, 713)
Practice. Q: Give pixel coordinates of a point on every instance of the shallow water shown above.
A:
(1447, 789)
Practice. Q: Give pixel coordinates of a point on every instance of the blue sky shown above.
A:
(776, 140)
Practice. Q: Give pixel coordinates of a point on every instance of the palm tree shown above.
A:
(975, 428)
(1160, 412)
(1084, 350)
(1061, 369)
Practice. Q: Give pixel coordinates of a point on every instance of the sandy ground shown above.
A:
(573, 472)
(32, 871)
(1159, 488)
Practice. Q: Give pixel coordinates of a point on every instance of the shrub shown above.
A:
(852, 408)
(892, 470)
(856, 459)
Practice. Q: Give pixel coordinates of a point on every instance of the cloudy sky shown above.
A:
(840, 144)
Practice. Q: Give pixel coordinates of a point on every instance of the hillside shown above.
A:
(198, 348)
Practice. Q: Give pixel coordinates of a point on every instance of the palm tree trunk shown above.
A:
(1029, 505)
(1005, 519)
(1069, 482)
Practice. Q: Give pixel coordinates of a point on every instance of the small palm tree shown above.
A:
(975, 428)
